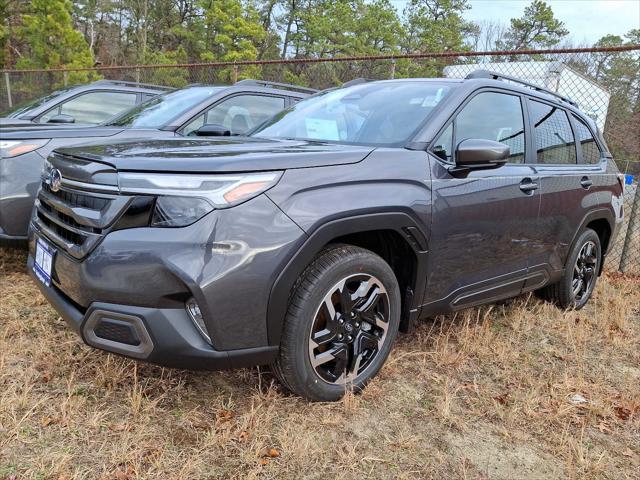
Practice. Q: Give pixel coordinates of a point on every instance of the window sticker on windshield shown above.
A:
(322, 129)
(433, 100)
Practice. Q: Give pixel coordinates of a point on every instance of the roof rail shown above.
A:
(357, 81)
(106, 81)
(499, 76)
(267, 84)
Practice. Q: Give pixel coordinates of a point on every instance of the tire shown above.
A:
(351, 336)
(563, 292)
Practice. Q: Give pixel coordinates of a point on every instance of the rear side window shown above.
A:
(94, 107)
(493, 116)
(552, 133)
(590, 151)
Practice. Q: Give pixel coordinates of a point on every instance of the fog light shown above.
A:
(196, 317)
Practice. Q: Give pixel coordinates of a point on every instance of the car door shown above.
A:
(483, 220)
(93, 107)
(571, 181)
(238, 113)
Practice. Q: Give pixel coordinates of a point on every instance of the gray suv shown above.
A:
(310, 243)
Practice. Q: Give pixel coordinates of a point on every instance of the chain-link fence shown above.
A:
(604, 82)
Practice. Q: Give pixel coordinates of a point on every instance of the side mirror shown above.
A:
(62, 118)
(213, 130)
(480, 153)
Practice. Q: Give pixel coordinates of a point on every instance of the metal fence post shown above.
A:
(234, 74)
(8, 85)
(65, 78)
(626, 260)
(392, 75)
(137, 75)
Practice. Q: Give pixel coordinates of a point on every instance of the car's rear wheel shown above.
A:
(581, 273)
(342, 319)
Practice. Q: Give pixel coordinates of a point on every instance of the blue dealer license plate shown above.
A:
(43, 261)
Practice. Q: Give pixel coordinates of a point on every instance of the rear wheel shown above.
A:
(342, 319)
(581, 273)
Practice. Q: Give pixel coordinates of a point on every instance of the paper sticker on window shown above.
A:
(322, 129)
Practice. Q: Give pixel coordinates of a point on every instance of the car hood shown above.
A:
(38, 132)
(229, 154)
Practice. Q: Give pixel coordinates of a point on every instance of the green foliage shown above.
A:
(48, 30)
(537, 28)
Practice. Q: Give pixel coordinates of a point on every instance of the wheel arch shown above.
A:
(371, 231)
(602, 221)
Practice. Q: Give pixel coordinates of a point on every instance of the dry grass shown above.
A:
(494, 392)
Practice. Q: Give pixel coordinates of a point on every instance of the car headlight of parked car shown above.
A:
(13, 148)
(184, 199)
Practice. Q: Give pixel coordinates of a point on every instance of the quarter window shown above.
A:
(590, 150)
(94, 107)
(554, 139)
(239, 114)
(493, 116)
(443, 146)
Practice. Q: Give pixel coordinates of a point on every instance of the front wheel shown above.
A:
(342, 319)
(575, 287)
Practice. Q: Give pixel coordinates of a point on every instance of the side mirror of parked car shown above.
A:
(480, 153)
(213, 130)
(62, 118)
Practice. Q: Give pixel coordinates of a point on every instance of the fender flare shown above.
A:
(404, 224)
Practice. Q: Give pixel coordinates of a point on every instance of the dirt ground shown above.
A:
(509, 391)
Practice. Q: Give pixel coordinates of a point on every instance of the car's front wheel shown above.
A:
(342, 320)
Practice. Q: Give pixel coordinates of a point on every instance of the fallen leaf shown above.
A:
(627, 452)
(273, 453)
(47, 421)
(120, 427)
(622, 413)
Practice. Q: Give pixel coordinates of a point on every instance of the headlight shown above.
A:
(13, 148)
(184, 199)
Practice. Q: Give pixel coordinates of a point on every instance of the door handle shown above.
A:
(528, 186)
(586, 183)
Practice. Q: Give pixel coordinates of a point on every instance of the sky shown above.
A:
(586, 20)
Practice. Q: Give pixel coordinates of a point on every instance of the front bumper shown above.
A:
(141, 278)
(162, 336)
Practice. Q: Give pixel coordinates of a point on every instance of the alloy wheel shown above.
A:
(584, 271)
(349, 329)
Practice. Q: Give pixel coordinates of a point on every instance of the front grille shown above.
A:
(68, 236)
(74, 199)
(76, 219)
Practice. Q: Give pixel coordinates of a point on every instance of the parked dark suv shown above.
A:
(197, 110)
(308, 244)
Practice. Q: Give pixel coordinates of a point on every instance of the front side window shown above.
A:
(554, 139)
(590, 151)
(493, 116)
(380, 114)
(239, 114)
(93, 107)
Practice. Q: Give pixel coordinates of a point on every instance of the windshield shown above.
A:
(161, 110)
(24, 107)
(383, 114)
